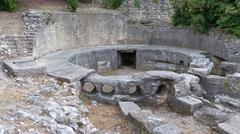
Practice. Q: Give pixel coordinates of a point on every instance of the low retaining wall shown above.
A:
(216, 44)
(19, 44)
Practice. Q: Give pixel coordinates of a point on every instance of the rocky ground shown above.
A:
(38, 105)
(44, 105)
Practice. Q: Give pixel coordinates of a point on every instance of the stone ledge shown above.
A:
(24, 67)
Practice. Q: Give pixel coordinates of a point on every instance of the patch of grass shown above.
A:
(156, 1)
(227, 85)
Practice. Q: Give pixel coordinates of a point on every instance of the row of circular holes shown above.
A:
(108, 89)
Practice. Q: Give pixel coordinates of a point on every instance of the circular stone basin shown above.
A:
(134, 86)
(79, 65)
(139, 58)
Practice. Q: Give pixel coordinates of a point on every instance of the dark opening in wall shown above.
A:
(127, 59)
(138, 92)
(162, 90)
(181, 63)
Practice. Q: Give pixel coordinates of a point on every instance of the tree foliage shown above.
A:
(9, 5)
(72, 5)
(204, 14)
(112, 4)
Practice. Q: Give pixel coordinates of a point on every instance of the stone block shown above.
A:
(200, 63)
(146, 122)
(230, 126)
(217, 85)
(24, 67)
(128, 107)
(201, 72)
(210, 116)
(186, 104)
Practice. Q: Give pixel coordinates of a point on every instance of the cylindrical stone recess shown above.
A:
(88, 87)
(132, 89)
(107, 88)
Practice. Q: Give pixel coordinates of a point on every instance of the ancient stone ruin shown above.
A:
(194, 74)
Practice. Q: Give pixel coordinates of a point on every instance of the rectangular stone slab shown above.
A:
(128, 107)
(186, 104)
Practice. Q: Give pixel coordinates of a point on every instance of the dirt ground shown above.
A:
(109, 119)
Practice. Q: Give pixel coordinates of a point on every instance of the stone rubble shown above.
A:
(210, 116)
(230, 126)
(228, 101)
(145, 121)
(55, 112)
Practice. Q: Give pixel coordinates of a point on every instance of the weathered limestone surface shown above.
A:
(230, 126)
(194, 85)
(128, 107)
(145, 121)
(235, 103)
(218, 85)
(20, 44)
(229, 67)
(210, 116)
(186, 104)
(73, 30)
(24, 67)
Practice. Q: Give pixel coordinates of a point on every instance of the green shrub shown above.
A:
(137, 3)
(204, 14)
(112, 4)
(156, 1)
(73, 5)
(9, 5)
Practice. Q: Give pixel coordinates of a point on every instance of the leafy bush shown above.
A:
(112, 4)
(73, 5)
(9, 5)
(204, 14)
(156, 1)
(137, 3)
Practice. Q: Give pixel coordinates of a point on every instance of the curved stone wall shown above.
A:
(216, 43)
(145, 58)
(80, 66)
(73, 30)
